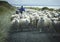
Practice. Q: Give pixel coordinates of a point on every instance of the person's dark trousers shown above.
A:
(21, 12)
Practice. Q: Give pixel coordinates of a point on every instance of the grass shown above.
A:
(43, 8)
(5, 16)
(35, 8)
(6, 10)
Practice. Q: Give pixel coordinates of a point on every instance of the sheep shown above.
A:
(56, 19)
(36, 16)
(15, 16)
(56, 14)
(47, 22)
(26, 16)
(40, 21)
(50, 16)
(24, 22)
(33, 19)
(15, 19)
(56, 22)
(57, 26)
(44, 23)
(15, 24)
(21, 22)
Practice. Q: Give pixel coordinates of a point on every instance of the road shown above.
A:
(33, 37)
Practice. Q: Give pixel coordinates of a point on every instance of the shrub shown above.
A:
(45, 8)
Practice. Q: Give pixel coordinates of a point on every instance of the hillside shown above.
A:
(6, 10)
(5, 6)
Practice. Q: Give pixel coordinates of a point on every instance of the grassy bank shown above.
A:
(5, 24)
(6, 10)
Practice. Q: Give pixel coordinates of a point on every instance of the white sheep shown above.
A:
(24, 22)
(15, 20)
(40, 22)
(56, 14)
(56, 19)
(15, 24)
(57, 26)
(50, 16)
(33, 19)
(15, 16)
(56, 22)
(44, 22)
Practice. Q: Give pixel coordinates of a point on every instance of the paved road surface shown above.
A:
(33, 37)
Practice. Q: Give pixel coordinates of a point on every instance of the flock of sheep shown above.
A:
(37, 19)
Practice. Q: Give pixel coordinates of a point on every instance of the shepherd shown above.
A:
(22, 9)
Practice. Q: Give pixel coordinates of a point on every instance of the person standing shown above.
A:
(22, 9)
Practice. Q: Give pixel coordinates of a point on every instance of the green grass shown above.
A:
(43, 8)
(5, 24)
(6, 10)
(5, 15)
(35, 8)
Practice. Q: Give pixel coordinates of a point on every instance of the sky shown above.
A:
(34, 2)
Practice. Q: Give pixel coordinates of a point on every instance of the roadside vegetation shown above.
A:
(35, 8)
(6, 10)
(43, 8)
